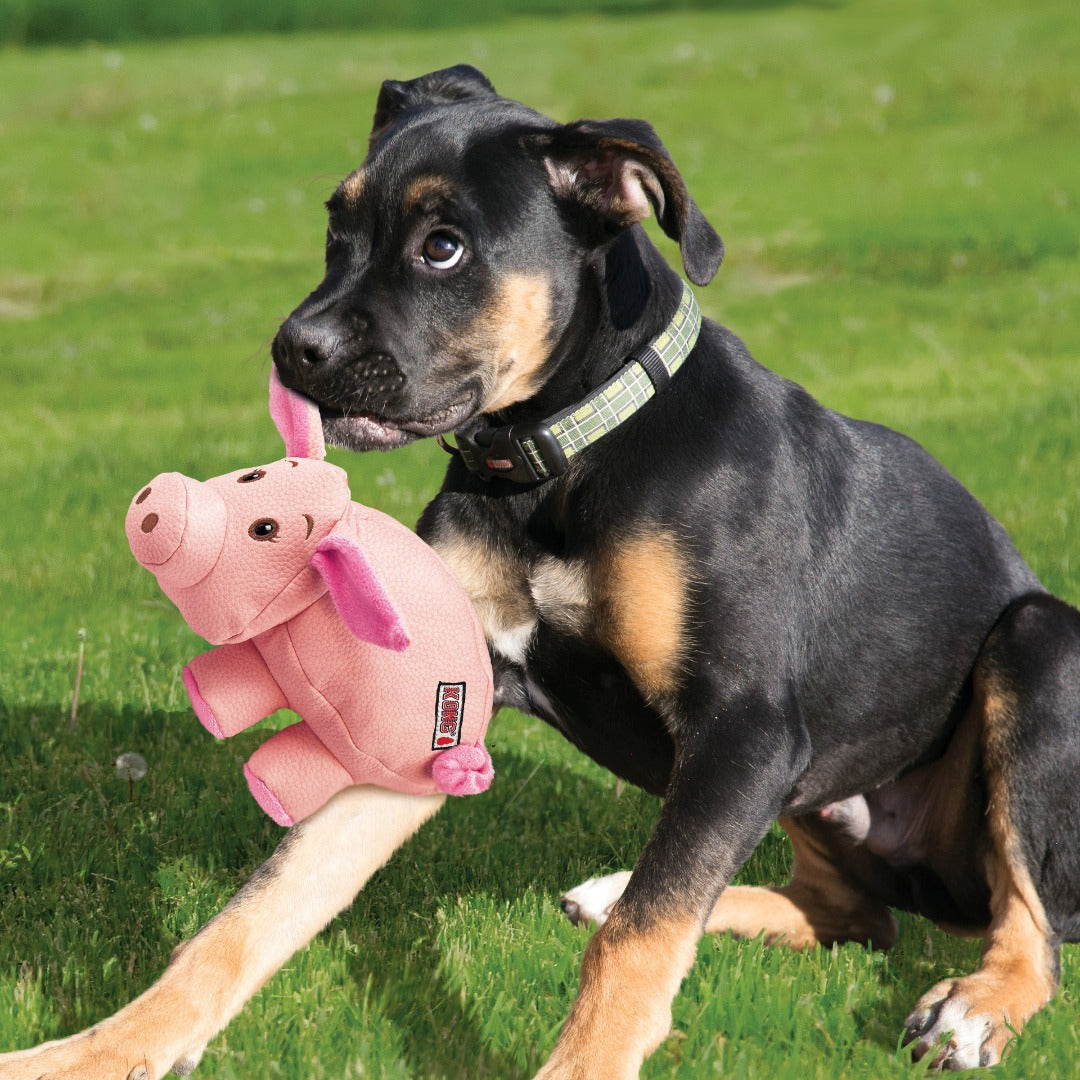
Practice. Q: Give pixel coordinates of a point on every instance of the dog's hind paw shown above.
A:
(591, 902)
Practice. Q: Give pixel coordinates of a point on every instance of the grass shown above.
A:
(898, 184)
(35, 22)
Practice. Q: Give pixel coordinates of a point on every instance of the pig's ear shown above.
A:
(297, 419)
(358, 594)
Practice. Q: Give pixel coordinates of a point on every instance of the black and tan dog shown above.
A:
(712, 585)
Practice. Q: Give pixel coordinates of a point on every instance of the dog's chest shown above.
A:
(515, 595)
(626, 598)
(587, 642)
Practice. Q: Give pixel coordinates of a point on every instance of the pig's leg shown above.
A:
(316, 871)
(292, 774)
(231, 688)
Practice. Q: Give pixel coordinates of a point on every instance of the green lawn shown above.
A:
(898, 184)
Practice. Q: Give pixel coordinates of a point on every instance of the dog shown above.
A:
(709, 583)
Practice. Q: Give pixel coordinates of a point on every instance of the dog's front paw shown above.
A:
(961, 1022)
(77, 1058)
(89, 1056)
(591, 902)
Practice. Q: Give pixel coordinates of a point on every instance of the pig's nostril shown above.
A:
(143, 496)
(149, 523)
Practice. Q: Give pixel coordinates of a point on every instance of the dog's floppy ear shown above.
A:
(618, 169)
(459, 83)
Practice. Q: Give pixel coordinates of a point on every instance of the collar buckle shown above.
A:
(523, 453)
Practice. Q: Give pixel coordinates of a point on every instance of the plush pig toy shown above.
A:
(329, 608)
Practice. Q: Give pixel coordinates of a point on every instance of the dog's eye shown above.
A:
(441, 251)
(251, 477)
(263, 529)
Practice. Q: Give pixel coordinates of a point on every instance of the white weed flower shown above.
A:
(130, 766)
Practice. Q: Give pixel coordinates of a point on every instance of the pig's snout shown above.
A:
(176, 529)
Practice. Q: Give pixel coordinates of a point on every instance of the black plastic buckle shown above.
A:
(501, 452)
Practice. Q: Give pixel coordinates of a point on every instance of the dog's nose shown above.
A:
(302, 344)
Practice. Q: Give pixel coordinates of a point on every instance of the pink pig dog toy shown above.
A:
(329, 608)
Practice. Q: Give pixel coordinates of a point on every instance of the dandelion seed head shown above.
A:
(130, 766)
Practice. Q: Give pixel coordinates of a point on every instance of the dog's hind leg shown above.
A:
(820, 905)
(1028, 687)
(592, 900)
(316, 871)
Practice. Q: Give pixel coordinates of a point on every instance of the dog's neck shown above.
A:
(592, 381)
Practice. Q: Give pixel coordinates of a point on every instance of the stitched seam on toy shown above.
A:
(334, 709)
(483, 656)
(244, 635)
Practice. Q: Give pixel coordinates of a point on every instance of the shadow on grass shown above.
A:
(539, 830)
(87, 893)
(98, 882)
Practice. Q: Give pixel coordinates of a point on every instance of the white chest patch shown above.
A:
(511, 595)
(560, 591)
(557, 593)
(511, 642)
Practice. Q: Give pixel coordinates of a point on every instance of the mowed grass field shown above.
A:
(898, 184)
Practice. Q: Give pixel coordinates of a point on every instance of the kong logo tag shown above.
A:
(449, 715)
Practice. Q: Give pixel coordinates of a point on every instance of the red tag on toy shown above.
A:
(449, 709)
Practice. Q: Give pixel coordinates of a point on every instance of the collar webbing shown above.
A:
(527, 453)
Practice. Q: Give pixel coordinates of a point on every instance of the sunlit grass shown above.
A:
(898, 187)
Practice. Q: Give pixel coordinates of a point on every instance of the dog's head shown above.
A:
(455, 256)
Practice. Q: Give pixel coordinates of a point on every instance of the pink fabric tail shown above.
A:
(297, 420)
(463, 770)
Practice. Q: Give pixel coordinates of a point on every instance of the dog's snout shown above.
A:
(305, 343)
(340, 359)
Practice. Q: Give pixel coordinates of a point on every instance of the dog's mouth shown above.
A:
(361, 430)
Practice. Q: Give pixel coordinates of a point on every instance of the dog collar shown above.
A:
(529, 453)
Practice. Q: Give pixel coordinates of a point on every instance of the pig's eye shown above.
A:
(251, 477)
(263, 529)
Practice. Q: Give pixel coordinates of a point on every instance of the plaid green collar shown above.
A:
(528, 453)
